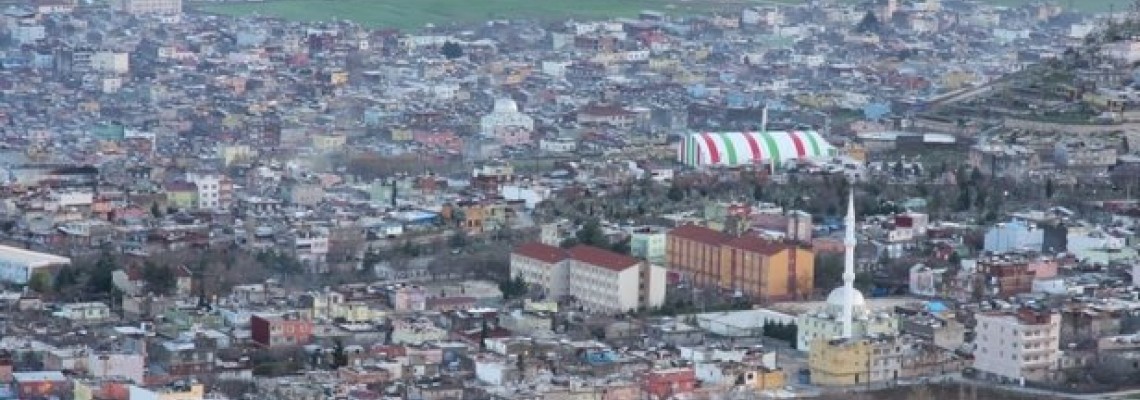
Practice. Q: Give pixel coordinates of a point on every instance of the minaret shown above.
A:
(849, 265)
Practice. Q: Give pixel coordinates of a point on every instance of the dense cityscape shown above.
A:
(884, 199)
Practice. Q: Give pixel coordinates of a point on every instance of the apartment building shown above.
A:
(842, 362)
(148, 6)
(757, 267)
(280, 330)
(1018, 345)
(600, 280)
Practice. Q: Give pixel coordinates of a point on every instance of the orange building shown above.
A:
(759, 268)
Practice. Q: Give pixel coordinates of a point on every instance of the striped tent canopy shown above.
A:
(748, 148)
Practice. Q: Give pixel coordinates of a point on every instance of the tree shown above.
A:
(758, 192)
(65, 278)
(155, 211)
(828, 270)
(452, 50)
(591, 234)
(1049, 188)
(869, 24)
(458, 239)
(159, 279)
(40, 282)
(513, 288)
(340, 356)
(675, 193)
(102, 275)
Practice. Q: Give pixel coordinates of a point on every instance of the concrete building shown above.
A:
(648, 243)
(148, 6)
(181, 391)
(1016, 235)
(600, 280)
(1018, 345)
(1003, 160)
(756, 267)
(272, 330)
(18, 265)
(842, 362)
(215, 191)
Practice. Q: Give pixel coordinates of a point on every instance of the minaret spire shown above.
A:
(849, 265)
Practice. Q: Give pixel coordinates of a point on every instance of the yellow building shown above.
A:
(402, 135)
(329, 142)
(187, 392)
(842, 362)
(758, 268)
(233, 153)
(761, 379)
(181, 195)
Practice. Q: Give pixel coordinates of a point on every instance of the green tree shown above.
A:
(675, 193)
(591, 234)
(159, 279)
(513, 288)
(101, 279)
(828, 270)
(1049, 188)
(452, 50)
(339, 355)
(758, 192)
(40, 282)
(155, 210)
(869, 24)
(65, 278)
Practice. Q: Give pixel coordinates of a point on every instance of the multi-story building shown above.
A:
(1082, 154)
(1006, 274)
(600, 280)
(759, 268)
(840, 362)
(272, 330)
(648, 243)
(215, 191)
(1004, 160)
(311, 247)
(148, 6)
(1018, 345)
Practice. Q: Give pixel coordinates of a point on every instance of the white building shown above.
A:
(211, 190)
(84, 312)
(18, 265)
(1015, 235)
(600, 280)
(846, 314)
(1018, 345)
(148, 6)
(115, 62)
(505, 115)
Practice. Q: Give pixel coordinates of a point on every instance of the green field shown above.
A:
(412, 14)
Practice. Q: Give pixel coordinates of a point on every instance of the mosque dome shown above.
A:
(506, 106)
(838, 296)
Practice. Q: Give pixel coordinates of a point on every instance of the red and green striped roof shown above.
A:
(743, 148)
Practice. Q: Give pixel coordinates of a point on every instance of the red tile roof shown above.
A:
(602, 258)
(700, 234)
(758, 245)
(541, 252)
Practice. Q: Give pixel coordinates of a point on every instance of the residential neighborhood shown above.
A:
(908, 199)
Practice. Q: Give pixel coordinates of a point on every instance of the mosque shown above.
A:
(846, 314)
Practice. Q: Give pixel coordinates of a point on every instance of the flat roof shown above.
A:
(16, 255)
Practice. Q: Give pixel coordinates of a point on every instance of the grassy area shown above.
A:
(1089, 6)
(411, 14)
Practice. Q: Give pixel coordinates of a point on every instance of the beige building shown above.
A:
(1017, 345)
(600, 280)
(148, 6)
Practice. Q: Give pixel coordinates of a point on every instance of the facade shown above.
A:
(1016, 235)
(598, 279)
(756, 267)
(1080, 154)
(42, 385)
(280, 330)
(648, 244)
(1023, 344)
(751, 148)
(215, 191)
(1007, 274)
(842, 362)
(194, 391)
(1003, 160)
(18, 265)
(148, 6)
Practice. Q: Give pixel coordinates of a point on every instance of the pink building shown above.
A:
(408, 298)
(1043, 268)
